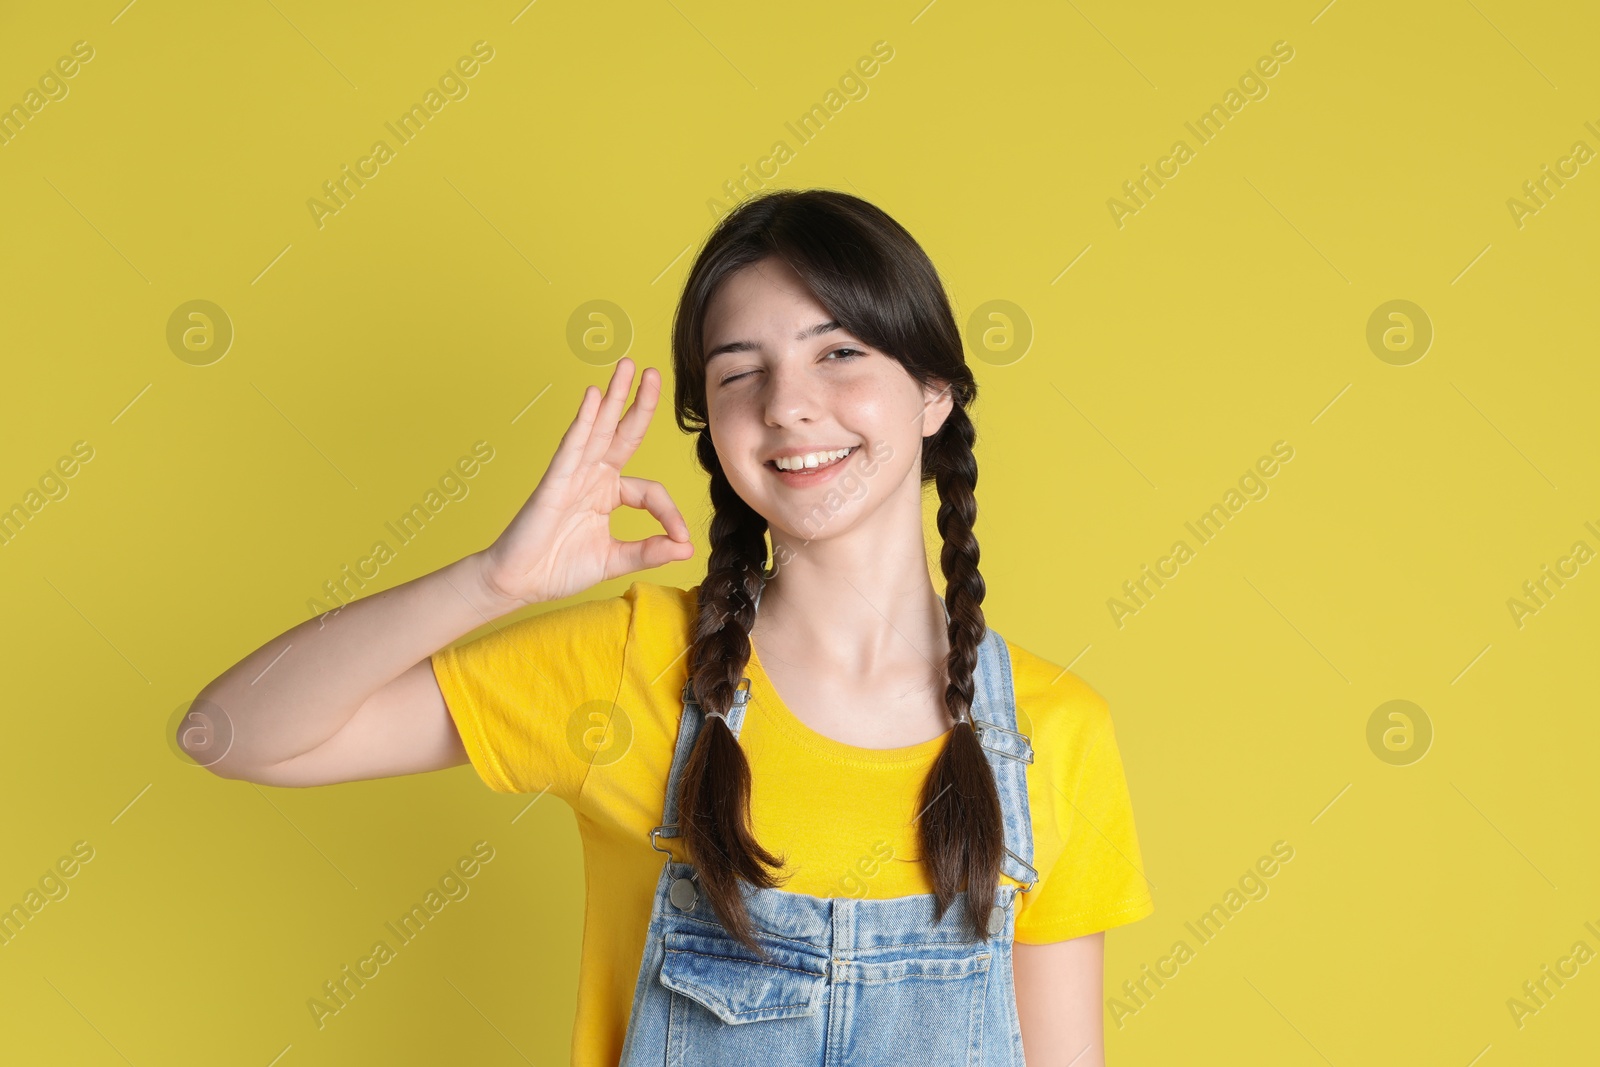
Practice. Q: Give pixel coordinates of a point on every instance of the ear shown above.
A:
(936, 405)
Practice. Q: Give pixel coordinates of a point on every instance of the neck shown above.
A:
(858, 619)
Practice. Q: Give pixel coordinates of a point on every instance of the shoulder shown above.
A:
(641, 602)
(659, 619)
(1056, 708)
(656, 597)
(566, 633)
(654, 606)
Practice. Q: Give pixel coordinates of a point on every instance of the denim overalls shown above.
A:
(873, 983)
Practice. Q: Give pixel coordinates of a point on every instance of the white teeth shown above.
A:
(811, 459)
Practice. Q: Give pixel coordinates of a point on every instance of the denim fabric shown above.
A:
(875, 983)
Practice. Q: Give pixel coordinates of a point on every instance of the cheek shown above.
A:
(735, 434)
(728, 423)
(889, 390)
(883, 412)
(870, 403)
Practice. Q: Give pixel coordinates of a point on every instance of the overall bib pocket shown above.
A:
(730, 1007)
(735, 985)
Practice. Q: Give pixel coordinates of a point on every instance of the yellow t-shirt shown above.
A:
(585, 701)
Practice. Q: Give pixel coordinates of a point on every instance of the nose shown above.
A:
(789, 396)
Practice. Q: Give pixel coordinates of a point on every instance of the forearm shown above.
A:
(299, 689)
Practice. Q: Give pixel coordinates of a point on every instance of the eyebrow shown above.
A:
(750, 346)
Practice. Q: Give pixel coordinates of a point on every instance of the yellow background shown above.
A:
(1229, 313)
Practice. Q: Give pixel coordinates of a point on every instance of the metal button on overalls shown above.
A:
(839, 980)
(683, 893)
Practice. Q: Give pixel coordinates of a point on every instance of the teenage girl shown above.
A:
(952, 821)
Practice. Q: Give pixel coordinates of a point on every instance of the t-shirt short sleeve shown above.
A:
(523, 695)
(1097, 879)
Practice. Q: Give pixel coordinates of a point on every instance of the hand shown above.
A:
(560, 543)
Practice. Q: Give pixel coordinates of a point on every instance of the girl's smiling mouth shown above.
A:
(826, 465)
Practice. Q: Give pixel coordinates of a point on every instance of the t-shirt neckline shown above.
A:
(765, 694)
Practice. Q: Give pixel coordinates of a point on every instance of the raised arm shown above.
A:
(350, 694)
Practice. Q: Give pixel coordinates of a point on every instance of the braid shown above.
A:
(714, 795)
(962, 827)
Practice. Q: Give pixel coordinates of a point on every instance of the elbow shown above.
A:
(204, 736)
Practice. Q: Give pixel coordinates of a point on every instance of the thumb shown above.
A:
(651, 552)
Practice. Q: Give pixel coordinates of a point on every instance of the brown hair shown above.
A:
(876, 282)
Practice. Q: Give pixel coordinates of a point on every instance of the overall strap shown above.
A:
(689, 725)
(688, 731)
(994, 716)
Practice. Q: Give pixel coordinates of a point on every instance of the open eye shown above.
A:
(855, 353)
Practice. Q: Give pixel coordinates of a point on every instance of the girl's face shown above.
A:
(783, 379)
